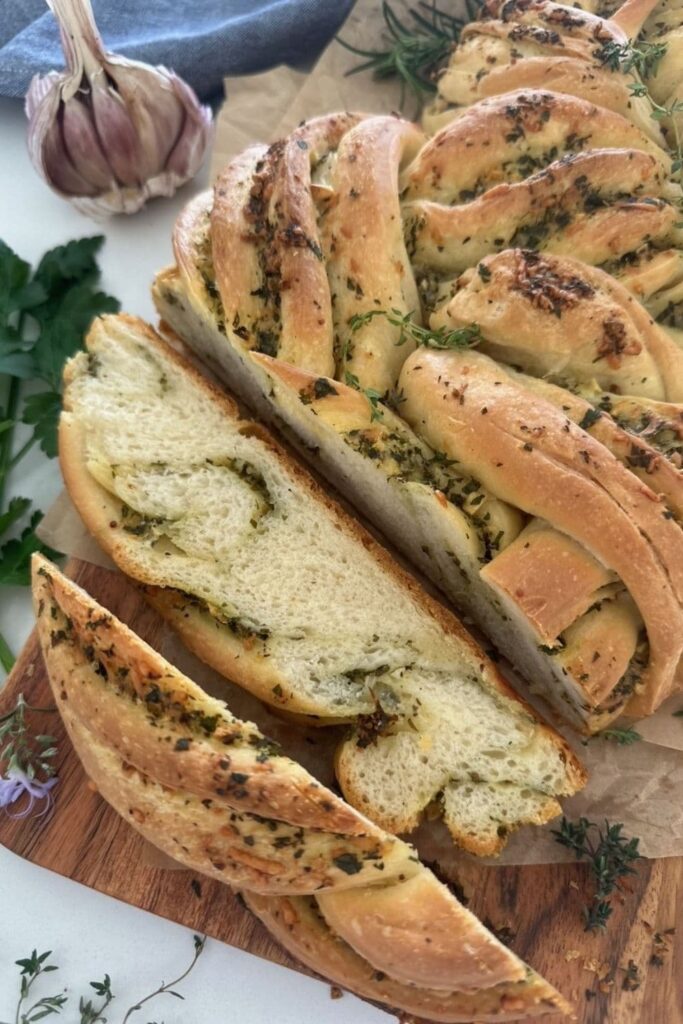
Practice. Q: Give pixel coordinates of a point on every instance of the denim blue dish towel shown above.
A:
(202, 40)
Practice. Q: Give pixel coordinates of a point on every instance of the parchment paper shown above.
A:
(640, 785)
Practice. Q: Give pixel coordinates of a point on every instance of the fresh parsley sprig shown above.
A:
(440, 337)
(44, 315)
(37, 964)
(415, 51)
(611, 857)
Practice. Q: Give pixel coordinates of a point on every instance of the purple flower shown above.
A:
(16, 783)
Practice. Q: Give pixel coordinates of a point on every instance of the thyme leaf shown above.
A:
(642, 57)
(610, 857)
(440, 337)
(37, 964)
(169, 987)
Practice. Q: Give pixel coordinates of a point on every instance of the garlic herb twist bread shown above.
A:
(351, 901)
(592, 51)
(539, 44)
(542, 219)
(274, 586)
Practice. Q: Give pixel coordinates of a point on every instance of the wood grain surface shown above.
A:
(84, 839)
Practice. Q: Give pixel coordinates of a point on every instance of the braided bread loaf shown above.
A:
(212, 792)
(536, 216)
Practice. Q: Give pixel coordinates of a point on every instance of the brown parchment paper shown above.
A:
(640, 785)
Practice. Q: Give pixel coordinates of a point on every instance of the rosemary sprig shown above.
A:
(415, 51)
(610, 859)
(624, 737)
(441, 337)
(25, 759)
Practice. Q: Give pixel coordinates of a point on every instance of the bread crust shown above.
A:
(299, 927)
(501, 130)
(552, 205)
(532, 456)
(155, 745)
(367, 262)
(228, 651)
(556, 315)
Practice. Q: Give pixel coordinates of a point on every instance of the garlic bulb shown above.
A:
(110, 133)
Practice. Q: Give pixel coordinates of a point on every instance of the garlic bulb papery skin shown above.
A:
(110, 133)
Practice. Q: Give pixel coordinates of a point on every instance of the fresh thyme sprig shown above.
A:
(643, 57)
(373, 396)
(37, 964)
(662, 113)
(610, 859)
(91, 1014)
(32, 967)
(624, 737)
(169, 989)
(441, 337)
(414, 51)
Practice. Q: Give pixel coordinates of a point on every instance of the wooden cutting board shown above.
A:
(84, 839)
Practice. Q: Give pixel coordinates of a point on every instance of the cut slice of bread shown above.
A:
(267, 580)
(297, 923)
(215, 794)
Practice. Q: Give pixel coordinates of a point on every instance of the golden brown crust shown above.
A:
(517, 126)
(570, 75)
(298, 925)
(552, 579)
(266, 246)
(556, 316)
(576, 204)
(634, 439)
(207, 788)
(367, 262)
(534, 457)
(156, 746)
(415, 932)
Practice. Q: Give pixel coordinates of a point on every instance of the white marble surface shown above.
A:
(89, 933)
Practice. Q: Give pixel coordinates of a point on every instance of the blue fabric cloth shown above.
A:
(202, 40)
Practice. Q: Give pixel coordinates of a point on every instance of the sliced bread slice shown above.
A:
(213, 792)
(271, 583)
